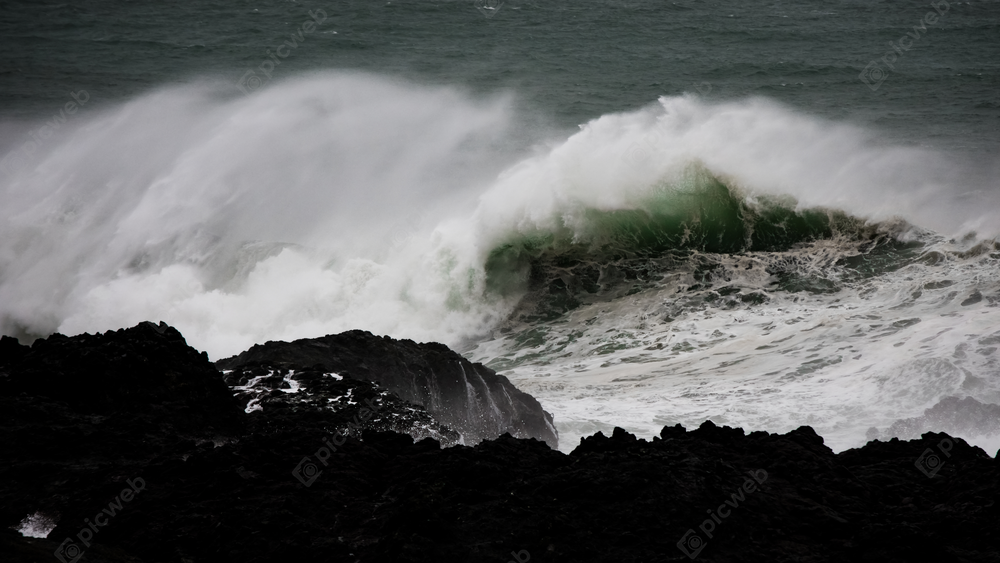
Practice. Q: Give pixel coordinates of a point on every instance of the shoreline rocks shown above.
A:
(131, 444)
(470, 398)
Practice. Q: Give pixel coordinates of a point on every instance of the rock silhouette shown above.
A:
(468, 397)
(82, 417)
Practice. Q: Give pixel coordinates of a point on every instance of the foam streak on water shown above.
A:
(869, 354)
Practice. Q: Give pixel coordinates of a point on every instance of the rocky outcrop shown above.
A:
(150, 459)
(467, 397)
(278, 399)
(714, 494)
(146, 370)
(84, 412)
(11, 352)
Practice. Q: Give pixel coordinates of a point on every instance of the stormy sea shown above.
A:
(642, 213)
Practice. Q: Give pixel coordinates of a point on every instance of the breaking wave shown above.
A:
(603, 269)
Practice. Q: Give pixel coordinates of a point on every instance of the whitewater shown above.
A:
(739, 261)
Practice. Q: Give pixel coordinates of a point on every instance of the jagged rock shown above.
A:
(90, 410)
(78, 415)
(11, 351)
(147, 367)
(714, 493)
(276, 399)
(281, 487)
(468, 397)
(619, 440)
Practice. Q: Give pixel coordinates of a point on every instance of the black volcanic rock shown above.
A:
(11, 351)
(467, 397)
(712, 492)
(78, 412)
(129, 370)
(278, 400)
(290, 486)
(147, 371)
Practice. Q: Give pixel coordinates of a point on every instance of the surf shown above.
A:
(738, 261)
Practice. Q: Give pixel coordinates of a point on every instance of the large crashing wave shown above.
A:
(326, 195)
(340, 200)
(695, 212)
(241, 219)
(605, 269)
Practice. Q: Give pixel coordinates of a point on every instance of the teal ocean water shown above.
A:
(641, 212)
(570, 61)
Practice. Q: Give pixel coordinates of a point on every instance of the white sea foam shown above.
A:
(872, 353)
(37, 525)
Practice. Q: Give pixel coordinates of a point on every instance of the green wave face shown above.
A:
(700, 213)
(712, 242)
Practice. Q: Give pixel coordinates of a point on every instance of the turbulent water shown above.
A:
(723, 236)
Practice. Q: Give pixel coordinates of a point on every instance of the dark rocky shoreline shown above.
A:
(469, 398)
(134, 443)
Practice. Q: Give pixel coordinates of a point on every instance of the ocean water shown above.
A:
(643, 213)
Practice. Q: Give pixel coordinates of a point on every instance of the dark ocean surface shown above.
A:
(570, 61)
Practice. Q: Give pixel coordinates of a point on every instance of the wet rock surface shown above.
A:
(213, 483)
(469, 398)
(279, 399)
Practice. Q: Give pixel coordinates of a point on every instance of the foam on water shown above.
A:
(37, 525)
(866, 355)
